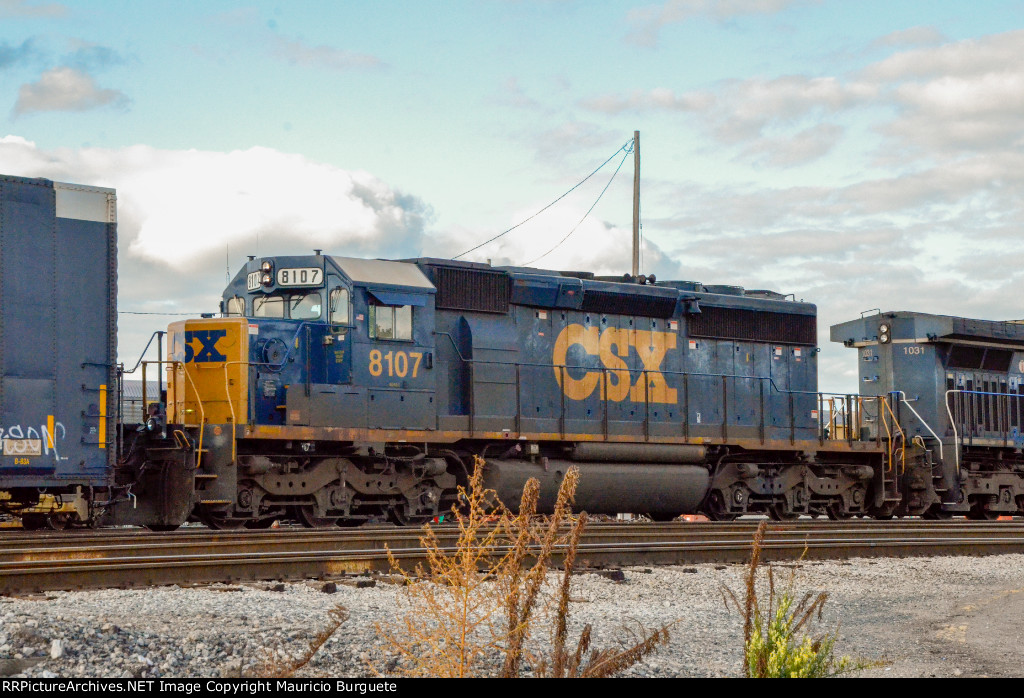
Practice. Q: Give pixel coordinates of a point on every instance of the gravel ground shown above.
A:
(952, 616)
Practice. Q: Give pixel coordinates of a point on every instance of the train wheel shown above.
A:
(937, 513)
(33, 522)
(400, 517)
(58, 522)
(257, 524)
(219, 522)
(977, 513)
(306, 516)
(715, 509)
(836, 512)
(777, 512)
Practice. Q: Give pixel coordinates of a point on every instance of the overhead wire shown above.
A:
(628, 147)
(578, 224)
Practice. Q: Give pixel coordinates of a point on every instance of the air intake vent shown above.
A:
(754, 326)
(612, 303)
(979, 358)
(471, 289)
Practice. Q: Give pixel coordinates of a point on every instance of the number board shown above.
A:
(252, 281)
(302, 276)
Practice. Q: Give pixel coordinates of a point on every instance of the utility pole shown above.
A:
(636, 203)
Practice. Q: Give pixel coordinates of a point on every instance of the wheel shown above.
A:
(715, 509)
(306, 515)
(937, 513)
(978, 513)
(58, 522)
(777, 512)
(399, 516)
(259, 524)
(33, 522)
(836, 512)
(163, 527)
(219, 522)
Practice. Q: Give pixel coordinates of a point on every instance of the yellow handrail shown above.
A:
(891, 441)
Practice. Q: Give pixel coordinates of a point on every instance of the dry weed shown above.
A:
(282, 666)
(472, 611)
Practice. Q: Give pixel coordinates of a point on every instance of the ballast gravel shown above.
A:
(943, 616)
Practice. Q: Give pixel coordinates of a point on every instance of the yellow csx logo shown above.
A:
(612, 346)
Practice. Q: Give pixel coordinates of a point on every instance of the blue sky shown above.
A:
(858, 154)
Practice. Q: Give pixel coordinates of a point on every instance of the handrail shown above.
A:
(903, 397)
(891, 441)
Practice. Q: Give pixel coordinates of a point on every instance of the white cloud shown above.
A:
(181, 210)
(914, 36)
(648, 21)
(298, 52)
(23, 8)
(806, 146)
(65, 89)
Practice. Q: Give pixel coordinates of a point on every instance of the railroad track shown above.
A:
(33, 562)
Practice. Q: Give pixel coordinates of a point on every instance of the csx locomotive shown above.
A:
(334, 391)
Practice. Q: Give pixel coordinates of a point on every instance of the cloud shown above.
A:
(648, 21)
(297, 52)
(914, 36)
(11, 55)
(806, 146)
(512, 95)
(181, 210)
(66, 89)
(87, 56)
(927, 104)
(22, 8)
(596, 246)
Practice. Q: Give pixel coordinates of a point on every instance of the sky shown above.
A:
(858, 155)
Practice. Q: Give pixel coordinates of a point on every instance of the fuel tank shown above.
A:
(658, 489)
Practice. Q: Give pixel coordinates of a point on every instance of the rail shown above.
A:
(608, 383)
(961, 406)
(80, 560)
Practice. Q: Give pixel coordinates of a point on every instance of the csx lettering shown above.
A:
(207, 346)
(612, 347)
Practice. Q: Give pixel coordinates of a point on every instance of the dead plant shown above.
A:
(281, 666)
(472, 611)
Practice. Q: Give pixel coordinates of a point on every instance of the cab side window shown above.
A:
(391, 322)
(339, 306)
(235, 307)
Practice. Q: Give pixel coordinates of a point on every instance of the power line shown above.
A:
(621, 162)
(628, 147)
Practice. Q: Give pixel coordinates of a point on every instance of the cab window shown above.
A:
(391, 322)
(235, 307)
(268, 306)
(304, 306)
(339, 312)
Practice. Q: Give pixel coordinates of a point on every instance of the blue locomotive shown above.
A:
(335, 391)
(340, 390)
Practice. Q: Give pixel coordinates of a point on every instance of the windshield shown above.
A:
(304, 306)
